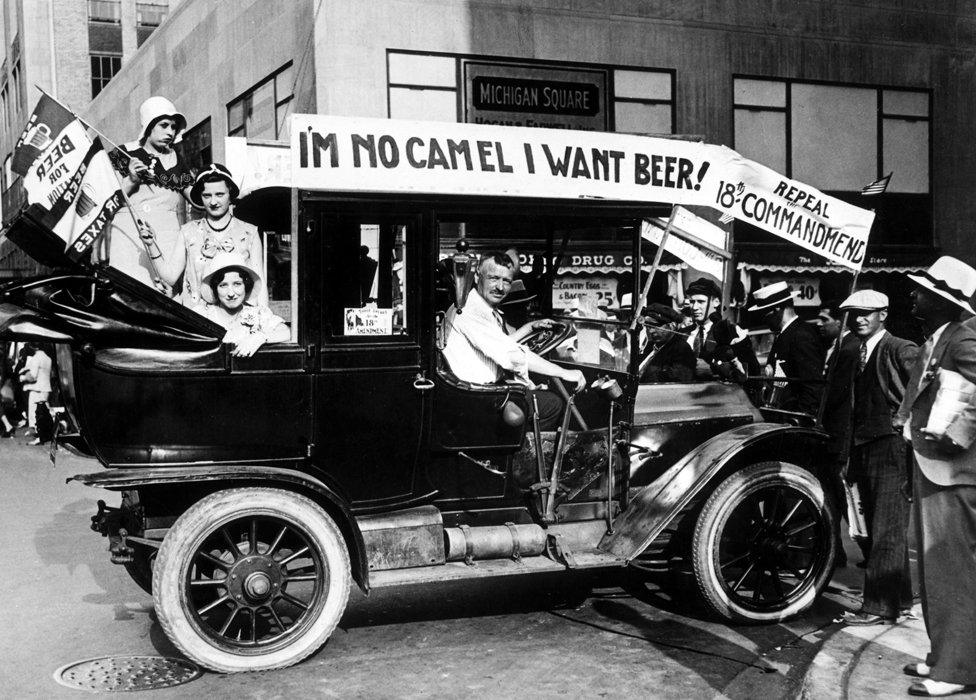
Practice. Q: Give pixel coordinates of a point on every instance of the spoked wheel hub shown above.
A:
(254, 580)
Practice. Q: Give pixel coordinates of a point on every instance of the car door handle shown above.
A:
(422, 383)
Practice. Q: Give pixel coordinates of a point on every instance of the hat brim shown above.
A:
(178, 116)
(773, 303)
(206, 293)
(924, 282)
(197, 189)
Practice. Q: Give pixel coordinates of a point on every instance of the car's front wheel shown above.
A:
(763, 547)
(251, 579)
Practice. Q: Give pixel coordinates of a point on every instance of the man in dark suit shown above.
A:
(724, 349)
(667, 357)
(797, 349)
(878, 456)
(943, 436)
(839, 369)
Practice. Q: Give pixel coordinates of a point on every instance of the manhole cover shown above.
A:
(121, 674)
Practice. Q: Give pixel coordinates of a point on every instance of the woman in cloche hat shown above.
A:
(155, 180)
(214, 191)
(230, 288)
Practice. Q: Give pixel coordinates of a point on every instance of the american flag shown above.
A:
(877, 187)
(726, 218)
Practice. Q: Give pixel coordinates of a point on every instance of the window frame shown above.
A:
(103, 81)
(880, 117)
(277, 102)
(104, 19)
(458, 88)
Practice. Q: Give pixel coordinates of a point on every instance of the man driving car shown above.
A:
(481, 349)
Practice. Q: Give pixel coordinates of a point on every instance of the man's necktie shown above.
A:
(501, 321)
(862, 359)
(699, 339)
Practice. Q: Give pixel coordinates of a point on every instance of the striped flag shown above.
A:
(877, 187)
(726, 218)
(68, 175)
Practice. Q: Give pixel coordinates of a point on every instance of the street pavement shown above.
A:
(533, 636)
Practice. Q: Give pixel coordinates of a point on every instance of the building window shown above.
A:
(107, 11)
(18, 92)
(263, 111)
(643, 101)
(432, 87)
(150, 14)
(103, 68)
(798, 129)
(422, 87)
(5, 102)
(195, 146)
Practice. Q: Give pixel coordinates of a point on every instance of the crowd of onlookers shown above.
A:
(26, 371)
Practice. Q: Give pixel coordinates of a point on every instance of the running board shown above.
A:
(456, 571)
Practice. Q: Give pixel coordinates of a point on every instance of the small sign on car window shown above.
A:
(369, 321)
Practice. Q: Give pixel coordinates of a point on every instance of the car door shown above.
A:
(371, 394)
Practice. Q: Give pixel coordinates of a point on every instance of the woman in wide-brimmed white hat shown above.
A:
(230, 289)
(156, 182)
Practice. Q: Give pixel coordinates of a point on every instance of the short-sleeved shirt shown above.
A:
(202, 243)
(39, 365)
(478, 348)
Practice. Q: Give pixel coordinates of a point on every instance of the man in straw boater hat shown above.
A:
(797, 348)
(939, 417)
(878, 458)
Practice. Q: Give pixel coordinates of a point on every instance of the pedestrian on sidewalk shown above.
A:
(35, 377)
(943, 438)
(879, 457)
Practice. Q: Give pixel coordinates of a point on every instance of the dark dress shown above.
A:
(674, 361)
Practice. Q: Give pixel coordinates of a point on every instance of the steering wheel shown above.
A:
(545, 339)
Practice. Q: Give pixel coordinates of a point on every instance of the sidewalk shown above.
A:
(866, 662)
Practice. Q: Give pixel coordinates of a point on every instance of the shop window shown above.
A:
(103, 69)
(797, 128)
(643, 102)
(422, 87)
(263, 111)
(106, 11)
(366, 279)
(195, 146)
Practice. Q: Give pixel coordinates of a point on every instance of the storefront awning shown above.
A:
(780, 260)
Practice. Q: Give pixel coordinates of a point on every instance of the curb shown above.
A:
(850, 651)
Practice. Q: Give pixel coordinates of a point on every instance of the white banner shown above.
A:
(347, 154)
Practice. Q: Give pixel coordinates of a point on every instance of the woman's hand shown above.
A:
(146, 233)
(248, 345)
(138, 171)
(163, 287)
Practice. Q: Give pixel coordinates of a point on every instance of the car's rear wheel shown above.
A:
(762, 547)
(251, 579)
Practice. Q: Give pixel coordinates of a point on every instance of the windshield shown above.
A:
(578, 273)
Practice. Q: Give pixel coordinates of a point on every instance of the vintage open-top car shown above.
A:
(254, 491)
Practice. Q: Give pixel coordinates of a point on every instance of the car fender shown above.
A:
(292, 479)
(651, 509)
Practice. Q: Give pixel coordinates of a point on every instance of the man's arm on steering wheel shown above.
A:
(538, 365)
(532, 326)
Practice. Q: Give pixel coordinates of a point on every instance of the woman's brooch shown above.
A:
(249, 319)
(209, 248)
(931, 370)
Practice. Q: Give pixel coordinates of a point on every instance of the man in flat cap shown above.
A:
(879, 457)
(797, 348)
(667, 357)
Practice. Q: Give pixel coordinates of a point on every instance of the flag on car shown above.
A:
(877, 187)
(68, 175)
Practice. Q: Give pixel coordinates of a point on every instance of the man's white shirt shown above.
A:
(478, 350)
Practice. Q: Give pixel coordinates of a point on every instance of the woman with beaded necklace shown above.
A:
(218, 231)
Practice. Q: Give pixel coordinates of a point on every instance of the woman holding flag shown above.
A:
(155, 181)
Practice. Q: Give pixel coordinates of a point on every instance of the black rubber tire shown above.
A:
(761, 545)
(174, 567)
